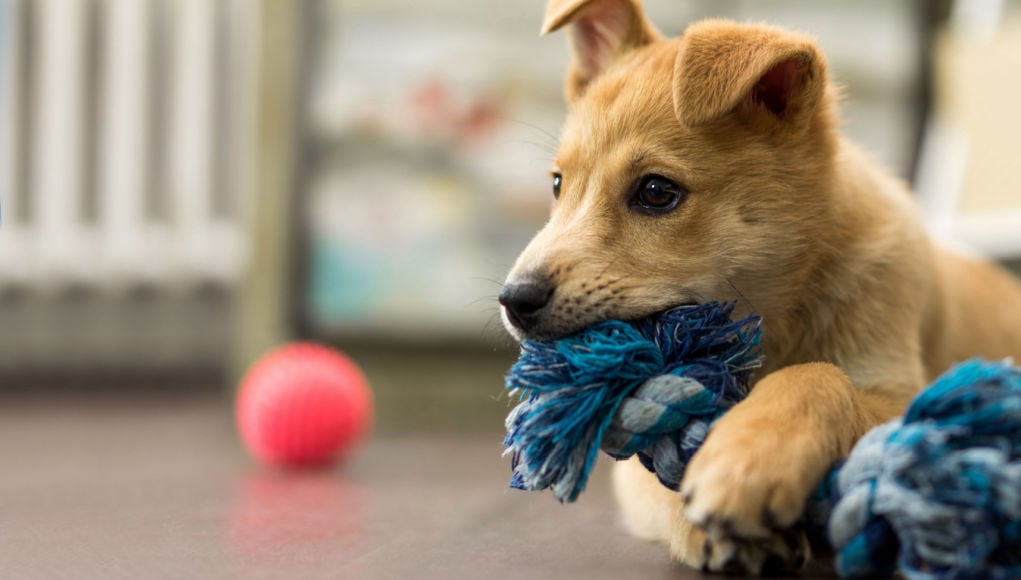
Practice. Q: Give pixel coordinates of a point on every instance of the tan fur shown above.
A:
(783, 215)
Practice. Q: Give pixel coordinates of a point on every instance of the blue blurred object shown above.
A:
(937, 493)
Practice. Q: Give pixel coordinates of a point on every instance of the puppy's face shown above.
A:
(684, 169)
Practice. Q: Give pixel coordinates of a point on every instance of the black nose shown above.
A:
(525, 299)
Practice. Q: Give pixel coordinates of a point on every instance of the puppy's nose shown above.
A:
(525, 299)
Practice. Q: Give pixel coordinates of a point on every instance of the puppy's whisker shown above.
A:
(486, 279)
(487, 298)
(489, 324)
(493, 332)
(554, 140)
(606, 269)
(545, 148)
(741, 295)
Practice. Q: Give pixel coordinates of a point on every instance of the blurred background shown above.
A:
(185, 184)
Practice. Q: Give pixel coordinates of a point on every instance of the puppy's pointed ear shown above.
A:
(600, 31)
(764, 74)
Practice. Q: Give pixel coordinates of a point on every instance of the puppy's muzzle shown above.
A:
(525, 300)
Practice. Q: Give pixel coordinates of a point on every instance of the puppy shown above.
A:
(710, 167)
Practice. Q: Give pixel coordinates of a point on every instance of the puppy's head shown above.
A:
(689, 169)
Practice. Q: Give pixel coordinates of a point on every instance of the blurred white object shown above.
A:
(967, 178)
(135, 113)
(12, 236)
(977, 20)
(125, 165)
(126, 240)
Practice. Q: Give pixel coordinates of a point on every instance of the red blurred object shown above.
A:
(303, 405)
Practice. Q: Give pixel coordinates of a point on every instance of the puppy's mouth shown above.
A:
(557, 322)
(536, 306)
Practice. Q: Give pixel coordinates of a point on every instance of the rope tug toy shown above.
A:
(936, 493)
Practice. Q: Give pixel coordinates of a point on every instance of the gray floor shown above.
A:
(151, 483)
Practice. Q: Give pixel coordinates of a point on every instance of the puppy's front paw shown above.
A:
(652, 511)
(783, 551)
(746, 482)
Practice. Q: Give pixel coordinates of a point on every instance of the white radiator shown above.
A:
(125, 132)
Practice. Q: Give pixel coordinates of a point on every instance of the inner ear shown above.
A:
(599, 35)
(780, 86)
(600, 32)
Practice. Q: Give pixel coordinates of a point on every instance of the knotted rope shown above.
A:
(937, 493)
(650, 387)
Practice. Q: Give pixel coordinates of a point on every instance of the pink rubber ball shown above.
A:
(303, 405)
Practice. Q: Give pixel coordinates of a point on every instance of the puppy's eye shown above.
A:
(557, 179)
(657, 194)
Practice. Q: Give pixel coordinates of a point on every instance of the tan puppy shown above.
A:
(710, 167)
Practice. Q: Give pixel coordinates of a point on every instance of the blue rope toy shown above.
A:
(936, 494)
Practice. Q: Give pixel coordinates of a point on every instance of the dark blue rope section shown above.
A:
(651, 387)
(936, 494)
